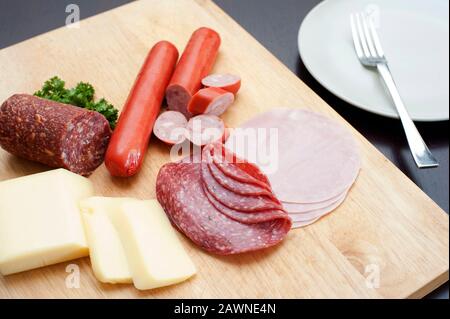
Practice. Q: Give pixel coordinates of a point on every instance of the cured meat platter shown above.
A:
(386, 240)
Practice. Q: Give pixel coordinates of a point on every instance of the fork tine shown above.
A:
(362, 36)
(375, 38)
(368, 36)
(356, 42)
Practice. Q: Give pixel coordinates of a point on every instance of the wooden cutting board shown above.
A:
(387, 240)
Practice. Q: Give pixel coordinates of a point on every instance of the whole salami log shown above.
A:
(195, 63)
(52, 133)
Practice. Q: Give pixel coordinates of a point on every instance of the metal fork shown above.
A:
(370, 53)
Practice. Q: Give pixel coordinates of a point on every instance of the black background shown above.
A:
(275, 24)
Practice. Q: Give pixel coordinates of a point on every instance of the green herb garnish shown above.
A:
(82, 95)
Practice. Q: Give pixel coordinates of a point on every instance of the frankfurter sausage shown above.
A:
(195, 63)
(227, 82)
(211, 100)
(129, 142)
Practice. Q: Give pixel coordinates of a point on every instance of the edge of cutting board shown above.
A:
(441, 273)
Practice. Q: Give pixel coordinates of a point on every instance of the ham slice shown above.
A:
(300, 208)
(317, 213)
(315, 158)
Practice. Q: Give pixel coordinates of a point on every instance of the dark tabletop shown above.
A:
(275, 24)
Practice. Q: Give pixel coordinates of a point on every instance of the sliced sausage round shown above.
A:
(170, 127)
(205, 129)
(227, 82)
(213, 101)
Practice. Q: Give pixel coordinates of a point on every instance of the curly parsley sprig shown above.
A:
(81, 95)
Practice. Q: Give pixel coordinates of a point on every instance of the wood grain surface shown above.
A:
(387, 226)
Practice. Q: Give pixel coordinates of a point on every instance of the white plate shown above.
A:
(414, 34)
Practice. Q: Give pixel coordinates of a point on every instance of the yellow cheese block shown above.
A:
(154, 253)
(107, 255)
(40, 223)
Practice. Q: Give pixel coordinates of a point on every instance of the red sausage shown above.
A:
(212, 101)
(227, 82)
(129, 141)
(195, 63)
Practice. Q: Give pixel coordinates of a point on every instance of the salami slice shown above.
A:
(236, 186)
(230, 183)
(246, 217)
(179, 190)
(58, 135)
(238, 169)
(236, 201)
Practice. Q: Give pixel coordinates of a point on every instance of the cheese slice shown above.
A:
(154, 253)
(107, 255)
(40, 223)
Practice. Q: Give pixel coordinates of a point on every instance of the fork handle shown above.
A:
(422, 155)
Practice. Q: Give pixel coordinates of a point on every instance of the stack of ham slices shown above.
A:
(310, 160)
(225, 206)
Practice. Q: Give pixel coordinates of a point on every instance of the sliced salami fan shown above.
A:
(227, 82)
(170, 127)
(236, 186)
(235, 201)
(239, 170)
(246, 217)
(230, 183)
(205, 129)
(179, 190)
(213, 101)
